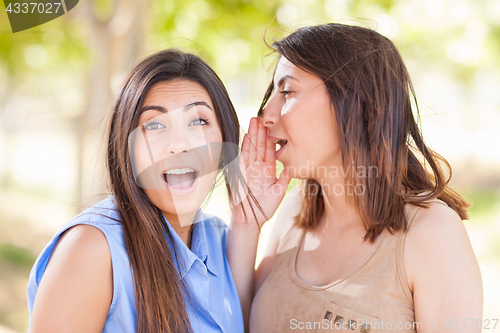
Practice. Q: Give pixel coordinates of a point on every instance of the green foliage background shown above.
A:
(49, 74)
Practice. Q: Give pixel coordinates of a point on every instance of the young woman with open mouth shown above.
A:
(373, 239)
(137, 261)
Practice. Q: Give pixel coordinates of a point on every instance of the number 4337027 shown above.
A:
(33, 7)
(484, 324)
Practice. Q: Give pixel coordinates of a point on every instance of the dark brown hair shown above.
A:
(159, 290)
(371, 93)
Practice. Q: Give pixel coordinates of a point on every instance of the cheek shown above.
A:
(291, 104)
(313, 129)
(214, 134)
(304, 122)
(213, 138)
(139, 158)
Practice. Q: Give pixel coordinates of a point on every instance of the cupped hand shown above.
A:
(258, 166)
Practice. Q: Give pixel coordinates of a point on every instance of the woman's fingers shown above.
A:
(245, 149)
(261, 142)
(270, 149)
(282, 183)
(253, 132)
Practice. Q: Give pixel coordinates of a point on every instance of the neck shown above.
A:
(182, 225)
(339, 214)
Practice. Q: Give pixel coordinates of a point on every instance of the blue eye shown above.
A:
(201, 121)
(153, 126)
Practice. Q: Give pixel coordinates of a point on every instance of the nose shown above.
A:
(173, 152)
(178, 145)
(271, 113)
(178, 141)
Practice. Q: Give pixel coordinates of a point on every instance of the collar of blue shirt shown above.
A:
(199, 247)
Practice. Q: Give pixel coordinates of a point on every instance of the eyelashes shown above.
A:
(154, 125)
(201, 121)
(286, 93)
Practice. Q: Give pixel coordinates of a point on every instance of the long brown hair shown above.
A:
(371, 93)
(159, 290)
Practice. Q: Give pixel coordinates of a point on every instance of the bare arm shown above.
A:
(443, 272)
(284, 221)
(260, 171)
(241, 253)
(77, 287)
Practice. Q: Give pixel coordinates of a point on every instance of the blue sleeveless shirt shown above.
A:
(205, 270)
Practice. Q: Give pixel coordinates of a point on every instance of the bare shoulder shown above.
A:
(76, 289)
(81, 244)
(437, 224)
(437, 241)
(441, 268)
(84, 235)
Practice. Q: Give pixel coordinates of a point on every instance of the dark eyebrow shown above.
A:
(186, 108)
(189, 106)
(286, 77)
(153, 107)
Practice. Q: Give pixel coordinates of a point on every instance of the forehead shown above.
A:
(287, 70)
(176, 93)
(285, 67)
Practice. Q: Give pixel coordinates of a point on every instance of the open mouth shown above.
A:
(279, 149)
(281, 142)
(180, 180)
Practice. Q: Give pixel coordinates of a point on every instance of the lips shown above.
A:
(282, 144)
(180, 180)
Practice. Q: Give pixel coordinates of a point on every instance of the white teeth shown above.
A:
(179, 171)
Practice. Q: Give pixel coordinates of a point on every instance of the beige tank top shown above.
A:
(375, 298)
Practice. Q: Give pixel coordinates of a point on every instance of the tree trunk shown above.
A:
(117, 43)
